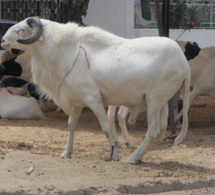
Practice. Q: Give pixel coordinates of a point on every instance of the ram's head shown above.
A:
(27, 31)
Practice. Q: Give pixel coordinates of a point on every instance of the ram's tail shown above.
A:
(186, 97)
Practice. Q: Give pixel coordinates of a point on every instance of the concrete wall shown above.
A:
(117, 16)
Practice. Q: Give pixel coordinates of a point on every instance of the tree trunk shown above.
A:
(159, 18)
(75, 9)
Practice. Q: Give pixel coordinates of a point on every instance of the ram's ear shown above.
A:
(41, 38)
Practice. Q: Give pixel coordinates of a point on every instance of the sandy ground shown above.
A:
(30, 160)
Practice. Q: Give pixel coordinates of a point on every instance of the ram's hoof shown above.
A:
(133, 161)
(65, 155)
(114, 154)
(129, 144)
(117, 144)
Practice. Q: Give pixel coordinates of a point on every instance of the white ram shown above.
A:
(87, 66)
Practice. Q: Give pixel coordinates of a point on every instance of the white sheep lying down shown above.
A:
(14, 106)
(87, 66)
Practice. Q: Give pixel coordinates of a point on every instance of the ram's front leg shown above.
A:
(72, 123)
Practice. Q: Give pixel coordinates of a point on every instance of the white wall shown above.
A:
(108, 14)
(204, 37)
(117, 16)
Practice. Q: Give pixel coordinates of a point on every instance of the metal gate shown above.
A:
(21, 9)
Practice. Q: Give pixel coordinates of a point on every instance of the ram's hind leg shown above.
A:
(122, 114)
(100, 112)
(112, 116)
(193, 95)
(153, 132)
(163, 122)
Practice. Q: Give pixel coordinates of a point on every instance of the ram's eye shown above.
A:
(20, 29)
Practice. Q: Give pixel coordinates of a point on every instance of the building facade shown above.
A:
(21, 9)
(120, 20)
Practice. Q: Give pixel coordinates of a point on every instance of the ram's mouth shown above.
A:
(5, 45)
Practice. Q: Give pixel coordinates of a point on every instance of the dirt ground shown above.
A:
(30, 160)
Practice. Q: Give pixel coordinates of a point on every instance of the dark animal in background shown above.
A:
(9, 67)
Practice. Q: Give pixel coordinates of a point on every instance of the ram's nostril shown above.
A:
(2, 41)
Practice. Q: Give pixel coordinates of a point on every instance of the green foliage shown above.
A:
(177, 13)
(184, 15)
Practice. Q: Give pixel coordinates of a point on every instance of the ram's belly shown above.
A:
(127, 97)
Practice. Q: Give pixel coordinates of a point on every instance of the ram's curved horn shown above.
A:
(37, 26)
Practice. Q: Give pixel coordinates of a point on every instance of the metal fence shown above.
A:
(195, 14)
(21, 9)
